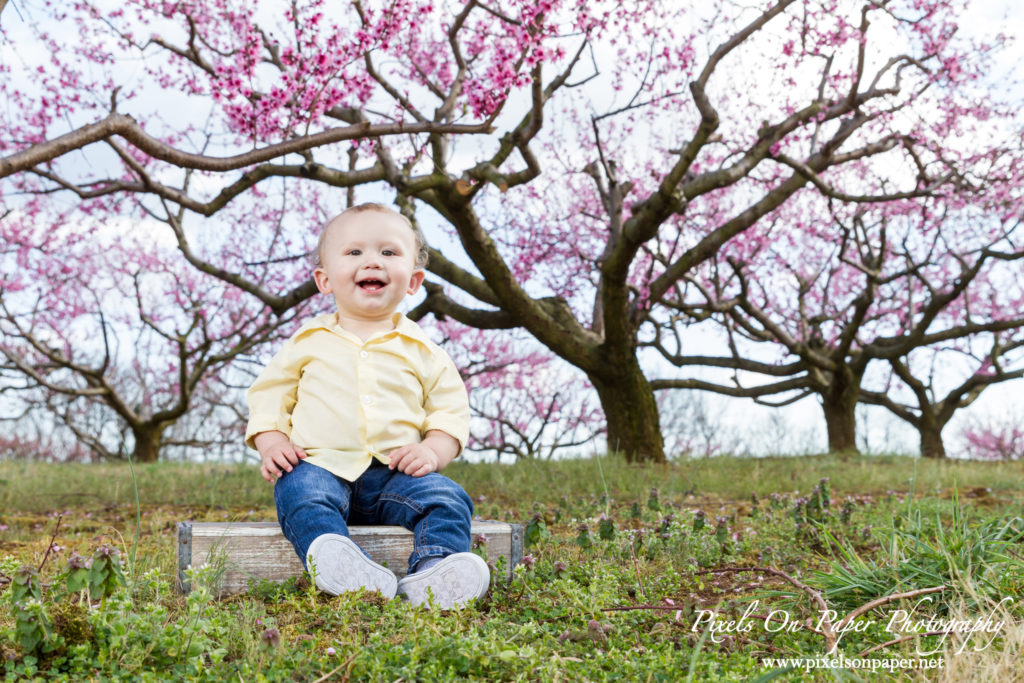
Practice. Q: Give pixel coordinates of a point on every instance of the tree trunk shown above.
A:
(631, 412)
(931, 439)
(840, 405)
(147, 443)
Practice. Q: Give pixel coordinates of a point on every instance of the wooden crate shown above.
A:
(258, 550)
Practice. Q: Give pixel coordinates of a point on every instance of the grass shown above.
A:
(231, 486)
(629, 559)
(103, 485)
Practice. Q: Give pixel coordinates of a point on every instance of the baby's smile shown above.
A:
(368, 263)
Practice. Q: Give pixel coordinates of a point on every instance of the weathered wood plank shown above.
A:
(258, 550)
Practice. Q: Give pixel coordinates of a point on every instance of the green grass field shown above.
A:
(634, 573)
(22, 485)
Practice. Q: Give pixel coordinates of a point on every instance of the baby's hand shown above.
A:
(278, 454)
(416, 460)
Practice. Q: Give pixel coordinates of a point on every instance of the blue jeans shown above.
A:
(311, 502)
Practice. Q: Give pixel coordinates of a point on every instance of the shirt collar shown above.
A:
(403, 326)
(407, 328)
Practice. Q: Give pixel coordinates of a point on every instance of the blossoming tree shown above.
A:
(930, 399)
(587, 159)
(108, 333)
(525, 402)
(909, 310)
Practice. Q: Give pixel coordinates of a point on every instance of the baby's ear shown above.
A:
(320, 277)
(416, 280)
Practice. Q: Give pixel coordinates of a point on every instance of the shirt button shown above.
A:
(363, 354)
(367, 400)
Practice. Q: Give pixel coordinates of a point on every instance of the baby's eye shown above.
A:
(390, 252)
(354, 252)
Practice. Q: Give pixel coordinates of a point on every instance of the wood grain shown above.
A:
(257, 550)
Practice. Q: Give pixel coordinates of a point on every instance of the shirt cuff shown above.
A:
(265, 423)
(452, 426)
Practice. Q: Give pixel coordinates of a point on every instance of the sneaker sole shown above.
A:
(342, 567)
(452, 582)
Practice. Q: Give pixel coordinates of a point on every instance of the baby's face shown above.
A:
(368, 265)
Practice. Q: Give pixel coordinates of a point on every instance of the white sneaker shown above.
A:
(340, 566)
(452, 582)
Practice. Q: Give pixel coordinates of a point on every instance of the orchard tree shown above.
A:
(114, 338)
(889, 288)
(526, 404)
(916, 390)
(586, 158)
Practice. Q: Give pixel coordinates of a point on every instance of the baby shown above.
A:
(358, 413)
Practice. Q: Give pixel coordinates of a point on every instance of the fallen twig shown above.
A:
(620, 608)
(60, 518)
(867, 607)
(826, 623)
(900, 640)
(550, 620)
(348, 672)
(636, 566)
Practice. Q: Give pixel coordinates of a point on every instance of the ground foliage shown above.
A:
(621, 561)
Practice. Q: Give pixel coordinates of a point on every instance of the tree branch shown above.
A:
(127, 128)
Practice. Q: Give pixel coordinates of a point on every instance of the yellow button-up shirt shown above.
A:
(345, 401)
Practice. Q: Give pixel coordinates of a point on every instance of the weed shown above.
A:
(919, 551)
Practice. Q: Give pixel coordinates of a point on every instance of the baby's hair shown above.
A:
(422, 252)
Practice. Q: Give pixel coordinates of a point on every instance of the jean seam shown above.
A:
(402, 500)
(423, 533)
(429, 550)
